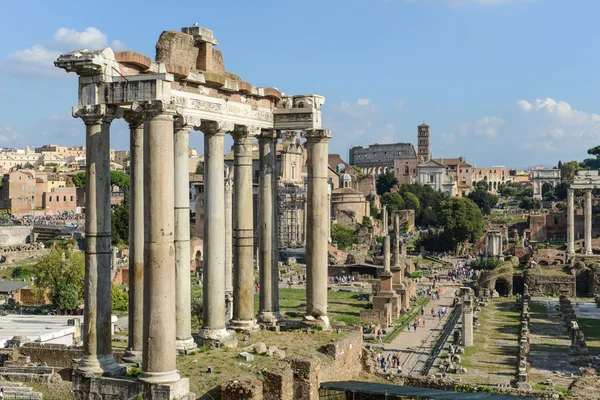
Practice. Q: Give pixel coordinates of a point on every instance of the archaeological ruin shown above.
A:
(186, 88)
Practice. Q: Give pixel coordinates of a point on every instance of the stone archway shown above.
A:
(583, 282)
(502, 287)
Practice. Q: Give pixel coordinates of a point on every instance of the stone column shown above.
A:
(228, 245)
(384, 213)
(213, 289)
(467, 316)
(133, 354)
(183, 296)
(243, 243)
(386, 254)
(318, 227)
(97, 350)
(570, 222)
(159, 364)
(396, 258)
(267, 243)
(588, 222)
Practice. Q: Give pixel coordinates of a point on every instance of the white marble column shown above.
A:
(228, 245)
(570, 222)
(97, 348)
(385, 221)
(318, 227)
(183, 296)
(396, 254)
(159, 363)
(213, 289)
(267, 233)
(133, 354)
(588, 222)
(243, 232)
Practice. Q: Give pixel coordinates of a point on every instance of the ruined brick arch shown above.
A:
(503, 286)
(196, 255)
(543, 263)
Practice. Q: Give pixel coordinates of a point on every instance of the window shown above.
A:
(57, 198)
(23, 188)
(50, 198)
(431, 178)
(64, 198)
(406, 170)
(71, 198)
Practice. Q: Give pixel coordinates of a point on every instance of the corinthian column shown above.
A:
(183, 295)
(228, 245)
(318, 227)
(243, 244)
(213, 288)
(267, 244)
(570, 222)
(588, 222)
(159, 364)
(133, 354)
(396, 257)
(97, 350)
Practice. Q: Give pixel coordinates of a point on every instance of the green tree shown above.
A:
(119, 298)
(118, 178)
(385, 182)
(79, 179)
(21, 273)
(568, 171)
(547, 191)
(560, 191)
(461, 220)
(527, 192)
(483, 198)
(393, 201)
(120, 221)
(411, 202)
(344, 237)
(529, 203)
(61, 271)
(200, 168)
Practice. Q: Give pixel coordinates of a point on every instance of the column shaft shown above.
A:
(243, 244)
(97, 350)
(266, 201)
(588, 222)
(570, 222)
(136, 241)
(318, 225)
(396, 258)
(228, 247)
(386, 254)
(182, 239)
(159, 364)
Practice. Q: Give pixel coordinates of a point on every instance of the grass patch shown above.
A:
(406, 319)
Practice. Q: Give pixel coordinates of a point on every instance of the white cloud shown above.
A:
(38, 60)
(9, 137)
(488, 126)
(363, 102)
(524, 105)
(448, 137)
(399, 105)
(563, 111)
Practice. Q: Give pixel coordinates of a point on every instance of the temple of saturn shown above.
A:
(587, 181)
(184, 89)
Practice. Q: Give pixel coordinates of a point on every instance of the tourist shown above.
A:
(422, 310)
(1, 392)
(415, 326)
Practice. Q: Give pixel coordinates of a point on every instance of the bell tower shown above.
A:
(423, 152)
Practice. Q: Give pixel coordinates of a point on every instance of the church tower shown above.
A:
(423, 152)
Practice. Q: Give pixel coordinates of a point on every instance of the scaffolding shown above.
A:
(291, 210)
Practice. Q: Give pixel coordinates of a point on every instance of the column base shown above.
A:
(270, 319)
(311, 322)
(185, 345)
(218, 337)
(132, 357)
(243, 325)
(160, 377)
(128, 388)
(93, 366)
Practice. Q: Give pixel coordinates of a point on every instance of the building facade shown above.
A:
(433, 174)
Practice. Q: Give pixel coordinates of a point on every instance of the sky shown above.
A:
(500, 82)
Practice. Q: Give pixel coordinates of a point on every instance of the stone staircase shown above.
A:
(16, 390)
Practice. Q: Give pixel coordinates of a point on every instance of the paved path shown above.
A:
(414, 346)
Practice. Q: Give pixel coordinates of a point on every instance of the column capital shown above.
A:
(209, 127)
(241, 132)
(97, 113)
(316, 134)
(155, 108)
(190, 122)
(268, 134)
(135, 119)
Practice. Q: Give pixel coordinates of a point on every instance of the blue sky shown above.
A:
(511, 82)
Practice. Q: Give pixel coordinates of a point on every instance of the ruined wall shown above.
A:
(55, 355)
(10, 235)
(550, 226)
(549, 285)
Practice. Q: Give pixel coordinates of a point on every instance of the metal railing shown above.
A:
(439, 344)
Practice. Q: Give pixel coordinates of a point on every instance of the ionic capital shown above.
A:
(215, 127)
(316, 134)
(155, 108)
(97, 113)
(268, 134)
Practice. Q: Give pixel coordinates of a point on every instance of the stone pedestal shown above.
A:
(97, 350)
(317, 227)
(133, 354)
(99, 388)
(467, 316)
(213, 289)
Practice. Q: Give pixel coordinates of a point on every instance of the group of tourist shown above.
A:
(391, 361)
(47, 219)
(343, 279)
(431, 293)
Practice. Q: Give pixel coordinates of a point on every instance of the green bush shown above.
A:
(344, 237)
(485, 263)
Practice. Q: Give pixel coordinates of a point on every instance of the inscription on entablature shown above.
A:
(292, 117)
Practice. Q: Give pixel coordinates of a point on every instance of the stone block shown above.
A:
(260, 348)
(246, 356)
